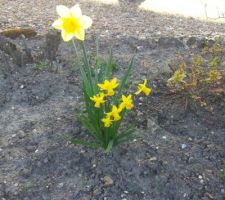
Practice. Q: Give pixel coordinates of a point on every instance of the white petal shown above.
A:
(79, 34)
(58, 24)
(66, 36)
(76, 11)
(85, 21)
(63, 11)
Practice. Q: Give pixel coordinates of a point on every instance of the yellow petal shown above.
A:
(63, 11)
(85, 21)
(75, 11)
(79, 34)
(138, 92)
(147, 91)
(58, 24)
(66, 36)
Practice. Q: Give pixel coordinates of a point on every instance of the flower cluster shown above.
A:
(126, 102)
(110, 105)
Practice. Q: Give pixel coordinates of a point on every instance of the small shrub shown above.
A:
(201, 74)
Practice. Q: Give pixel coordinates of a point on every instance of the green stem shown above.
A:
(87, 65)
(74, 45)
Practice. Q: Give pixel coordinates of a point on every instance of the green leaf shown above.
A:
(97, 45)
(87, 65)
(109, 67)
(109, 147)
(86, 84)
(85, 143)
(125, 136)
(124, 79)
(88, 125)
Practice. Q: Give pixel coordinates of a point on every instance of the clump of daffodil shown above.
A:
(143, 88)
(98, 99)
(71, 22)
(109, 86)
(105, 104)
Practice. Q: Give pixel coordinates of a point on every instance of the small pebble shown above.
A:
(201, 181)
(34, 131)
(141, 98)
(126, 192)
(22, 86)
(107, 181)
(200, 177)
(183, 146)
(223, 190)
(164, 137)
(39, 164)
(60, 185)
(13, 108)
(153, 158)
(36, 151)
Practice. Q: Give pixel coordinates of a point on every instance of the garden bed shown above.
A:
(179, 151)
(178, 154)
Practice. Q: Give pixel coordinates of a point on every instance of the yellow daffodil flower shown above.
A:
(114, 113)
(107, 121)
(71, 22)
(143, 88)
(127, 102)
(109, 86)
(98, 99)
